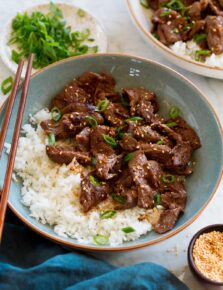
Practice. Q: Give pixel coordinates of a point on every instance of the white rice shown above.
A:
(51, 192)
(189, 49)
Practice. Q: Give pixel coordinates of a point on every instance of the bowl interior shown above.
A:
(171, 88)
(193, 267)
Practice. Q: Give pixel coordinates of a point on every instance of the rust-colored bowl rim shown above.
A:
(74, 245)
(166, 48)
(192, 265)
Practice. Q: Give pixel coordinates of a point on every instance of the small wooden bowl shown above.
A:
(192, 266)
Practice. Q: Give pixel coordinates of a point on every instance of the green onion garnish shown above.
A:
(55, 114)
(92, 121)
(176, 5)
(94, 181)
(200, 37)
(101, 240)
(128, 230)
(93, 161)
(111, 141)
(174, 112)
(107, 214)
(202, 52)
(102, 105)
(160, 142)
(165, 13)
(119, 198)
(144, 4)
(168, 178)
(156, 36)
(118, 133)
(135, 118)
(171, 124)
(157, 199)
(6, 85)
(81, 12)
(128, 157)
(51, 139)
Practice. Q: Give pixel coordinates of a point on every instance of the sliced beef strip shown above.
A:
(195, 10)
(187, 133)
(57, 128)
(92, 195)
(154, 173)
(83, 140)
(70, 94)
(181, 154)
(147, 134)
(131, 195)
(214, 29)
(107, 167)
(158, 19)
(65, 154)
(162, 128)
(78, 107)
(137, 168)
(97, 142)
(198, 27)
(161, 153)
(167, 220)
(116, 113)
(128, 143)
(174, 196)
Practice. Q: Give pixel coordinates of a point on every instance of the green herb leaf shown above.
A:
(55, 114)
(109, 140)
(128, 230)
(101, 240)
(144, 3)
(51, 139)
(200, 37)
(168, 178)
(102, 105)
(135, 119)
(174, 112)
(107, 214)
(128, 157)
(94, 181)
(119, 198)
(166, 13)
(81, 12)
(157, 199)
(92, 121)
(160, 142)
(171, 124)
(7, 85)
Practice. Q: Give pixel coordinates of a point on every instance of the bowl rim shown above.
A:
(192, 265)
(74, 245)
(166, 48)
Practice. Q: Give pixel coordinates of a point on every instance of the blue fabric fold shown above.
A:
(29, 262)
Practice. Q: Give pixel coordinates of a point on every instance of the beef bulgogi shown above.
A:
(134, 156)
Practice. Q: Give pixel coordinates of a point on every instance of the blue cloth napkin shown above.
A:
(29, 262)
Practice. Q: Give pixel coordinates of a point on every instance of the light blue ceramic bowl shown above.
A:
(171, 88)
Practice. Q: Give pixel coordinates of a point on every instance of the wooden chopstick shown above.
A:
(12, 155)
(10, 104)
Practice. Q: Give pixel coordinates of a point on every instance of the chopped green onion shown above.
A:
(174, 112)
(171, 124)
(202, 52)
(144, 3)
(135, 118)
(51, 139)
(94, 181)
(55, 114)
(6, 85)
(200, 37)
(118, 133)
(93, 161)
(102, 105)
(168, 178)
(128, 230)
(157, 199)
(111, 141)
(92, 121)
(160, 142)
(119, 198)
(101, 240)
(176, 5)
(107, 214)
(156, 35)
(165, 13)
(81, 12)
(128, 157)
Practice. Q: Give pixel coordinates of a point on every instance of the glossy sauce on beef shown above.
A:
(133, 156)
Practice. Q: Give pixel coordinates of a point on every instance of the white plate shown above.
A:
(72, 18)
(141, 18)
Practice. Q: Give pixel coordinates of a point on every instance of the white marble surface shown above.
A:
(125, 38)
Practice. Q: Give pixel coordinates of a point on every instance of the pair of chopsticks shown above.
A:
(15, 138)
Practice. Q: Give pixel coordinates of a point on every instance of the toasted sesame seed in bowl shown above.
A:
(205, 255)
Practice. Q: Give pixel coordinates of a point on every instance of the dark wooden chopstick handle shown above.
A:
(12, 155)
(10, 104)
